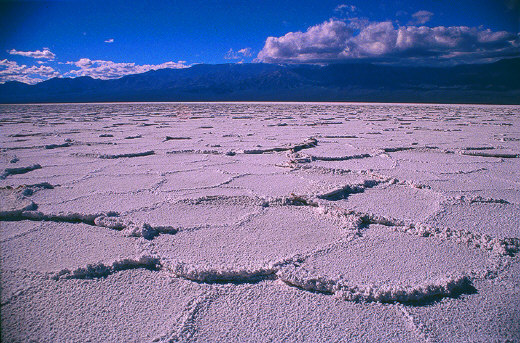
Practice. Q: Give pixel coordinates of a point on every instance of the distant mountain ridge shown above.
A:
(494, 83)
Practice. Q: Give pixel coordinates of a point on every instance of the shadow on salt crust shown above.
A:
(491, 315)
(387, 266)
(394, 201)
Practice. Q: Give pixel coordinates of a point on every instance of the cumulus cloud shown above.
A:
(337, 40)
(38, 54)
(319, 43)
(100, 69)
(235, 55)
(12, 71)
(110, 40)
(421, 17)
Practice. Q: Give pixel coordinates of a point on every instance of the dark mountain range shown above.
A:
(496, 83)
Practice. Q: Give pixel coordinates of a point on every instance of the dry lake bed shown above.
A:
(260, 222)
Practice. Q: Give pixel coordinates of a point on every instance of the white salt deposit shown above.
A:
(259, 222)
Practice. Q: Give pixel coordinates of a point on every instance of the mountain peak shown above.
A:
(497, 82)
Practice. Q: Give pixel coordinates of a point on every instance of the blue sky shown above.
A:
(109, 39)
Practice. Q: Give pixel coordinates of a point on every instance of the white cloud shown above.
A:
(100, 69)
(321, 42)
(38, 54)
(337, 40)
(82, 63)
(421, 17)
(246, 52)
(231, 55)
(235, 55)
(12, 71)
(344, 8)
(111, 40)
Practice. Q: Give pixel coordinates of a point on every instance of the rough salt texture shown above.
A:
(408, 268)
(276, 233)
(480, 215)
(244, 313)
(259, 222)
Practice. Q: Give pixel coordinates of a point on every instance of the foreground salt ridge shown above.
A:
(412, 294)
(101, 270)
(450, 286)
(355, 223)
(444, 287)
(353, 220)
(284, 271)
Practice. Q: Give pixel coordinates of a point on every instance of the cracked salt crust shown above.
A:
(325, 222)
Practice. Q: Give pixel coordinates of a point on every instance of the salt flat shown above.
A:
(199, 222)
